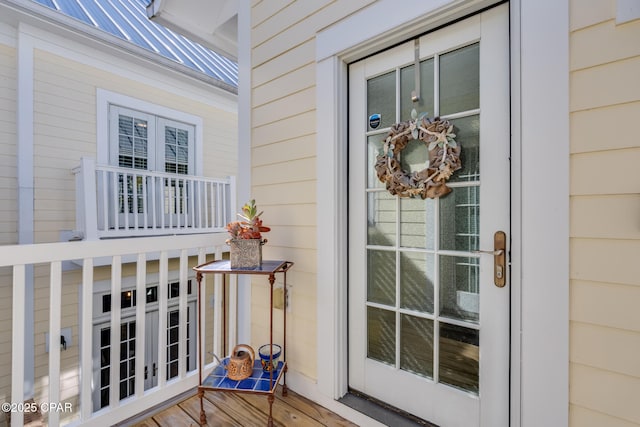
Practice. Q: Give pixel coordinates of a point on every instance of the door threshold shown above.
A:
(382, 412)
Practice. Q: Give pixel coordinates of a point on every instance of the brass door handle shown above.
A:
(499, 257)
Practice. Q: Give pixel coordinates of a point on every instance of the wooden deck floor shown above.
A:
(245, 410)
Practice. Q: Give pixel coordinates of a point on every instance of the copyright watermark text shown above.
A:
(32, 407)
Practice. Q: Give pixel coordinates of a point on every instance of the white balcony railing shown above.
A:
(124, 202)
(65, 299)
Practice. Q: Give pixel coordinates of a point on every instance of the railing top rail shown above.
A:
(144, 172)
(11, 255)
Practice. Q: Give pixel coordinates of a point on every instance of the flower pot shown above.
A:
(267, 352)
(246, 253)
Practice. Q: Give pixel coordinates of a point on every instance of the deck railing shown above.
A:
(64, 297)
(124, 202)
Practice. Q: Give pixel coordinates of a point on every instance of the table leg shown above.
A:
(203, 416)
(285, 389)
(270, 398)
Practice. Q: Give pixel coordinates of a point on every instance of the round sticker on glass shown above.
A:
(374, 121)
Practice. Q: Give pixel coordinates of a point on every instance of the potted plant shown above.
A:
(246, 238)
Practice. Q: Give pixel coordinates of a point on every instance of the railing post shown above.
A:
(233, 207)
(88, 199)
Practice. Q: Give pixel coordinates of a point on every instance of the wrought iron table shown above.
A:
(259, 382)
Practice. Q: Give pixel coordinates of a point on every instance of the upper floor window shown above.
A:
(140, 140)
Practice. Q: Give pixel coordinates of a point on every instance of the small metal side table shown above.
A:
(259, 382)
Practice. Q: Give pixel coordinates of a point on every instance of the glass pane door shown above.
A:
(421, 297)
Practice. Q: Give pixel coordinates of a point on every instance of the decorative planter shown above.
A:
(269, 352)
(246, 253)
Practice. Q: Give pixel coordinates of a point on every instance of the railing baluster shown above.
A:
(116, 289)
(134, 200)
(55, 306)
(86, 341)
(205, 204)
(182, 313)
(17, 343)
(115, 197)
(162, 318)
(191, 196)
(141, 278)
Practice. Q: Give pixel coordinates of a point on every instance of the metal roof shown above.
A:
(127, 19)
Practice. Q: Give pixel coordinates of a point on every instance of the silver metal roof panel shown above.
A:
(127, 19)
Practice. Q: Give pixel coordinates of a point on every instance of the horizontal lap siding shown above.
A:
(9, 205)
(8, 148)
(605, 212)
(283, 155)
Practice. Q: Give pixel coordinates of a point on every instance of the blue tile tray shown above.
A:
(259, 381)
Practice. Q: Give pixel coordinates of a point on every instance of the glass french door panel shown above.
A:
(417, 223)
(417, 279)
(416, 345)
(105, 366)
(460, 219)
(379, 91)
(127, 359)
(425, 102)
(459, 357)
(467, 131)
(460, 288)
(381, 335)
(173, 343)
(381, 219)
(460, 80)
(374, 147)
(381, 277)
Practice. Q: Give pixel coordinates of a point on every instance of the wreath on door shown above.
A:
(444, 158)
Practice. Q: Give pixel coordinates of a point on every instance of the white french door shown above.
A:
(144, 142)
(428, 328)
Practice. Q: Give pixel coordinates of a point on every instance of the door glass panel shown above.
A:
(381, 335)
(417, 220)
(416, 345)
(460, 219)
(459, 288)
(381, 277)
(460, 80)
(416, 281)
(379, 91)
(467, 131)
(374, 147)
(459, 357)
(407, 85)
(381, 221)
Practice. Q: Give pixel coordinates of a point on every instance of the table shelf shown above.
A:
(259, 381)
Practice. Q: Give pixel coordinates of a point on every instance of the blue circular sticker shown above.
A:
(374, 121)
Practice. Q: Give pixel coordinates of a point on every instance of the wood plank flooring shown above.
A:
(246, 410)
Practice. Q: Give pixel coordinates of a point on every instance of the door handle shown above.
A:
(146, 372)
(499, 257)
(155, 370)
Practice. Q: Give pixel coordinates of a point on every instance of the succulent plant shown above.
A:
(251, 227)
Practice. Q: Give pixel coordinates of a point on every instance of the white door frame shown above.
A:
(540, 202)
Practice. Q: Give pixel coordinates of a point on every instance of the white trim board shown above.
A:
(540, 87)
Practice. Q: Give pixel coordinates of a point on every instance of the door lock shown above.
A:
(499, 257)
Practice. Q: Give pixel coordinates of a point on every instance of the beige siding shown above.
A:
(8, 148)
(605, 212)
(283, 157)
(9, 205)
